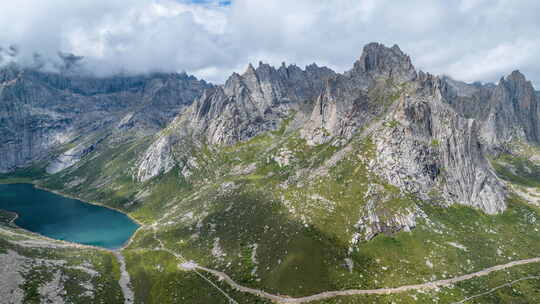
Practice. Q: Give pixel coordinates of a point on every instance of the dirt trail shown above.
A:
(124, 279)
(350, 292)
(192, 266)
(497, 288)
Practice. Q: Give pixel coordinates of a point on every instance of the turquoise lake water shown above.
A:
(67, 219)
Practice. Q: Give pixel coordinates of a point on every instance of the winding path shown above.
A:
(187, 265)
(497, 288)
(192, 266)
(381, 291)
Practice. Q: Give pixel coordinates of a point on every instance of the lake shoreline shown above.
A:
(74, 244)
(55, 243)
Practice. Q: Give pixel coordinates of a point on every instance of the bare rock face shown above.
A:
(328, 106)
(158, 159)
(69, 158)
(429, 141)
(514, 111)
(352, 101)
(42, 114)
(378, 61)
(245, 106)
(254, 102)
(506, 112)
(336, 115)
(379, 218)
(428, 149)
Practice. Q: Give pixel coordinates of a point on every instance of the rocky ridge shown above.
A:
(431, 134)
(428, 149)
(507, 111)
(427, 145)
(246, 105)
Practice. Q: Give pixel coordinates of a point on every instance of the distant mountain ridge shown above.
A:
(41, 111)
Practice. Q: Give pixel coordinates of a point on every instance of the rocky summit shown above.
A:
(382, 184)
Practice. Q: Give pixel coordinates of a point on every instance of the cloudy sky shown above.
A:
(471, 40)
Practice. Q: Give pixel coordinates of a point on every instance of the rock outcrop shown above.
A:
(158, 159)
(428, 149)
(378, 217)
(507, 111)
(246, 105)
(254, 102)
(352, 100)
(514, 112)
(70, 157)
(379, 61)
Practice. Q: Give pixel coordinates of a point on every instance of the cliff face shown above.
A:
(254, 102)
(428, 149)
(513, 111)
(42, 114)
(330, 105)
(506, 112)
(352, 100)
(246, 105)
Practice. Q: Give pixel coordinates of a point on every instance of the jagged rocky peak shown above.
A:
(261, 97)
(520, 89)
(430, 84)
(459, 88)
(253, 102)
(517, 77)
(434, 152)
(248, 104)
(270, 85)
(506, 111)
(353, 100)
(377, 60)
(513, 112)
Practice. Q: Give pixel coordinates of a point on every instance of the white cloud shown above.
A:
(467, 39)
(485, 64)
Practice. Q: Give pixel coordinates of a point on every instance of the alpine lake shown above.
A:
(64, 218)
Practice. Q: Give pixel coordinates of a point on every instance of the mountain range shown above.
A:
(292, 181)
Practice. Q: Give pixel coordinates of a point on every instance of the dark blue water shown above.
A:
(64, 218)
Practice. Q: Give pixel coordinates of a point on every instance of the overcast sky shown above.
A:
(470, 40)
